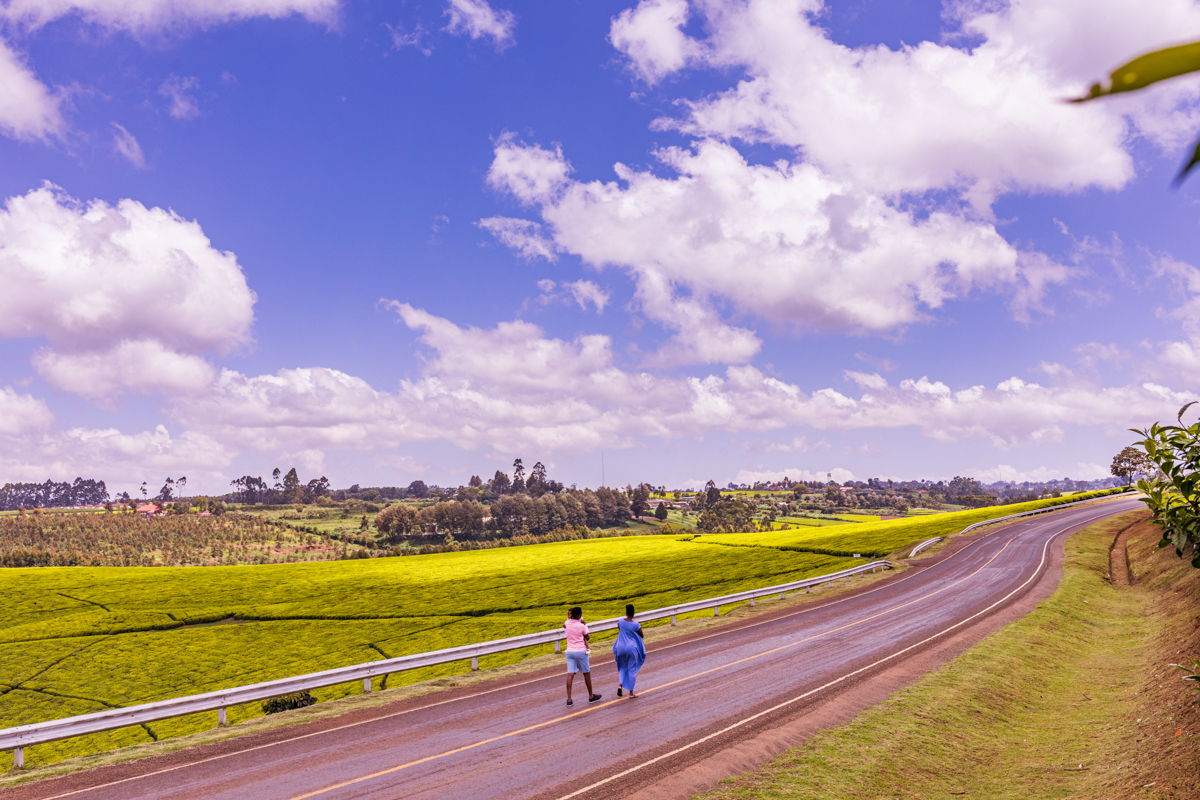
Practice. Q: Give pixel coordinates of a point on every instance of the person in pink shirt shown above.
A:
(577, 653)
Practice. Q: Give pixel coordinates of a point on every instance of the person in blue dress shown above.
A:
(630, 650)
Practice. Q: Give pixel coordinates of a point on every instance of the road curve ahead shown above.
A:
(706, 693)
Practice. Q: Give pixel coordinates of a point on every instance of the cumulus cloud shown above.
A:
(880, 211)
(784, 242)
(22, 413)
(28, 109)
(131, 366)
(415, 38)
(751, 477)
(177, 90)
(126, 146)
(586, 292)
(523, 235)
(511, 388)
(163, 16)
(651, 36)
(126, 295)
(477, 19)
(1003, 472)
(117, 457)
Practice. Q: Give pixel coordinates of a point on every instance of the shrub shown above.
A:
(286, 702)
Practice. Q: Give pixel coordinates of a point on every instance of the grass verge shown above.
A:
(1076, 699)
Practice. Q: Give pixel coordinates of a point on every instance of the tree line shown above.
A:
(80, 492)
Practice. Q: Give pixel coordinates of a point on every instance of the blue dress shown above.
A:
(630, 651)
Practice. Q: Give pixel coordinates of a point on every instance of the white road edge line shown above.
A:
(811, 692)
(537, 680)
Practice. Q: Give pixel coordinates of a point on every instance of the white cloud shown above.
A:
(415, 38)
(144, 17)
(126, 146)
(523, 235)
(22, 413)
(131, 366)
(176, 90)
(115, 457)
(1003, 472)
(650, 36)
(821, 476)
(477, 19)
(846, 234)
(122, 293)
(531, 174)
(798, 444)
(931, 116)
(586, 292)
(511, 389)
(784, 242)
(28, 109)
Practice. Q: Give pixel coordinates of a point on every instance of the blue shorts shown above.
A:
(577, 661)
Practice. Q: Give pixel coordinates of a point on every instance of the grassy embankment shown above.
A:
(1077, 699)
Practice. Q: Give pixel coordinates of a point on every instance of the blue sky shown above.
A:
(723, 240)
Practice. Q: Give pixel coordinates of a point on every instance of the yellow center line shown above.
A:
(684, 679)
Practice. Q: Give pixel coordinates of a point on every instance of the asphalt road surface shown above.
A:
(696, 696)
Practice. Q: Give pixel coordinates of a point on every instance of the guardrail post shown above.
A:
(475, 664)
(366, 685)
(221, 723)
(556, 646)
(752, 602)
(672, 620)
(782, 595)
(716, 611)
(18, 757)
(808, 590)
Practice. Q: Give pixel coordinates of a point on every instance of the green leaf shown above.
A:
(1183, 173)
(1147, 69)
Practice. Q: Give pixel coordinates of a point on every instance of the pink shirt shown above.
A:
(576, 629)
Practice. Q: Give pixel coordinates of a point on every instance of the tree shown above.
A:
(1129, 462)
(537, 484)
(292, 493)
(660, 513)
(518, 479)
(639, 499)
(418, 489)
(727, 516)
(499, 483)
(475, 482)
(1174, 496)
(712, 495)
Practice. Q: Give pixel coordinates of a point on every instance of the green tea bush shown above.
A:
(286, 702)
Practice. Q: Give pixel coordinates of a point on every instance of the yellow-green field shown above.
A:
(876, 539)
(80, 639)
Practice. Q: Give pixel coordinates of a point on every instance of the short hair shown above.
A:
(576, 613)
(629, 609)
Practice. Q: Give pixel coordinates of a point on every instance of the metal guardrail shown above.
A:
(22, 736)
(923, 545)
(1044, 510)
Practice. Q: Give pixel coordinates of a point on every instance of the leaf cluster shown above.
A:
(1174, 495)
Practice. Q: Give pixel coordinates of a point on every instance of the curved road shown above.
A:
(697, 695)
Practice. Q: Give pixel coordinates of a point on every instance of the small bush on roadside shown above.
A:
(286, 702)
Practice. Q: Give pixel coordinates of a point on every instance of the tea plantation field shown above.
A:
(878, 539)
(80, 639)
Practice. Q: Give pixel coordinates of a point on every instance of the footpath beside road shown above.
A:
(700, 697)
(1077, 699)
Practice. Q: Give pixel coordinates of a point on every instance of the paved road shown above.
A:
(696, 696)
